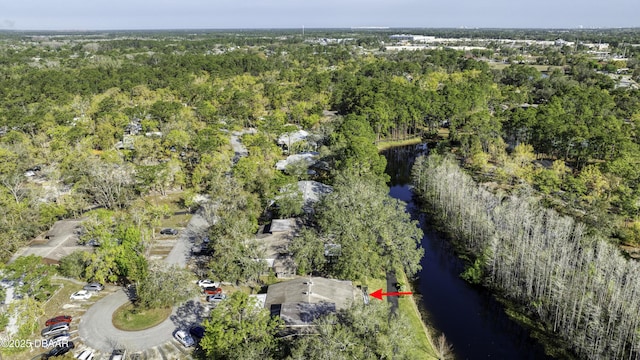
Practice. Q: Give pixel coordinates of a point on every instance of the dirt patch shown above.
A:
(632, 251)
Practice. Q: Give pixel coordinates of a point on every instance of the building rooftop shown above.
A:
(300, 301)
(292, 138)
(308, 157)
(283, 225)
(275, 245)
(312, 192)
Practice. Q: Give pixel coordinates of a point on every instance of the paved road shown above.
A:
(97, 330)
(391, 287)
(181, 251)
(238, 148)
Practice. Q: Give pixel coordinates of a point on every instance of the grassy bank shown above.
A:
(387, 144)
(407, 307)
(426, 347)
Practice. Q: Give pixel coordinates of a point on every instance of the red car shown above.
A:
(212, 290)
(58, 319)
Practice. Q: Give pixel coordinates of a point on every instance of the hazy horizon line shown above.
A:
(319, 28)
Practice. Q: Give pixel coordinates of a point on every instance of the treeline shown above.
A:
(110, 123)
(407, 93)
(579, 286)
(58, 104)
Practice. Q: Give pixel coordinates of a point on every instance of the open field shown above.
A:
(387, 144)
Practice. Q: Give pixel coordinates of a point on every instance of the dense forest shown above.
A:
(93, 124)
(577, 284)
(100, 128)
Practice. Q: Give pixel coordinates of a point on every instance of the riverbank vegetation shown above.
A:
(576, 283)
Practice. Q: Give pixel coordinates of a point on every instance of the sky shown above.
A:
(234, 14)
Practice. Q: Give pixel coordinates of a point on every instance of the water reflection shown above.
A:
(473, 322)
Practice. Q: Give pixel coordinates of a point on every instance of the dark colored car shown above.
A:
(59, 340)
(118, 354)
(212, 290)
(93, 287)
(59, 350)
(93, 242)
(197, 332)
(58, 319)
(169, 231)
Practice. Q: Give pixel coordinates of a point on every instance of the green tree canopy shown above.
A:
(374, 230)
(165, 286)
(238, 328)
(360, 332)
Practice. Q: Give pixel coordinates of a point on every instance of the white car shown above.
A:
(216, 298)
(118, 354)
(208, 283)
(81, 295)
(183, 338)
(85, 355)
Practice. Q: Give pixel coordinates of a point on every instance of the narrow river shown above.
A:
(473, 322)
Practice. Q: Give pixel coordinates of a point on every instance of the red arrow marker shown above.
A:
(378, 294)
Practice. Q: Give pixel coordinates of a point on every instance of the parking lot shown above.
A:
(163, 345)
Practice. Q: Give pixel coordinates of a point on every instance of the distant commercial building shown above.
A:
(412, 38)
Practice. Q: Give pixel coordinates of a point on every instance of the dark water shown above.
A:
(473, 322)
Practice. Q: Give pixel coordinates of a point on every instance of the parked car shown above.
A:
(93, 287)
(208, 283)
(85, 355)
(55, 329)
(196, 332)
(118, 354)
(216, 298)
(212, 290)
(169, 231)
(59, 350)
(80, 295)
(6, 283)
(58, 319)
(183, 338)
(59, 339)
(201, 249)
(93, 242)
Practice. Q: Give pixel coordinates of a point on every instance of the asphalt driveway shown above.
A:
(97, 330)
